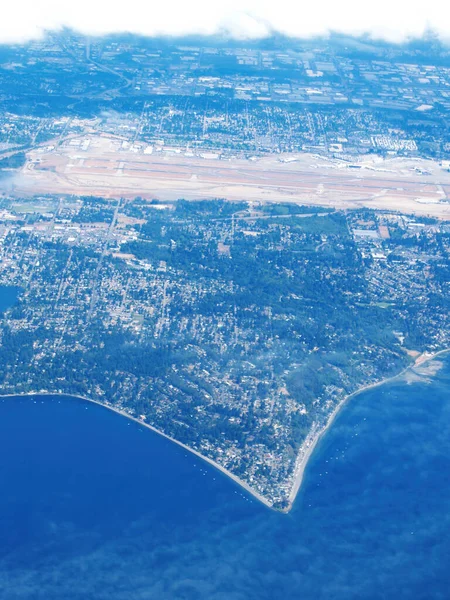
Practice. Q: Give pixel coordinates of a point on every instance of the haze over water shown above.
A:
(92, 506)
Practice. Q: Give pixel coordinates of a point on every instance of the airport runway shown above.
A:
(410, 186)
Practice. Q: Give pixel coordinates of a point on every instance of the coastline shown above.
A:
(301, 464)
(118, 411)
(303, 456)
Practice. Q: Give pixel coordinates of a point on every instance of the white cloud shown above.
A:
(394, 20)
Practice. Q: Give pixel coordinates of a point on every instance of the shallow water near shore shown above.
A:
(95, 506)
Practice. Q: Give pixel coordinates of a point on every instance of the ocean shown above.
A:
(93, 506)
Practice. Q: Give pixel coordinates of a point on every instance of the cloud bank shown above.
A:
(392, 20)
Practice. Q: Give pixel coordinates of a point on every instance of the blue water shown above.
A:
(94, 507)
(8, 296)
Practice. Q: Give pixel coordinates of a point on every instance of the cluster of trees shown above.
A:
(14, 161)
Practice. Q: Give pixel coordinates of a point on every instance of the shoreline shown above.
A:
(300, 465)
(122, 413)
